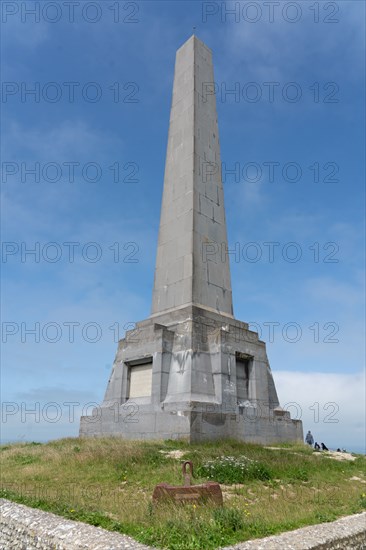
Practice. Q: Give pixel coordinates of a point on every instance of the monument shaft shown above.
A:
(191, 370)
(192, 226)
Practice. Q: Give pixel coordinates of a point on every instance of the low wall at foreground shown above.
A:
(31, 529)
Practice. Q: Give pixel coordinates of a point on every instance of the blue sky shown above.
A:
(311, 128)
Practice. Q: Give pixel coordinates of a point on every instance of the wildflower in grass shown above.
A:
(230, 469)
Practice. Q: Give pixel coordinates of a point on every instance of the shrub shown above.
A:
(24, 460)
(300, 474)
(229, 519)
(363, 500)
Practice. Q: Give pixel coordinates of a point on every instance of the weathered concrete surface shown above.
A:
(26, 528)
(192, 221)
(195, 382)
(23, 528)
(347, 533)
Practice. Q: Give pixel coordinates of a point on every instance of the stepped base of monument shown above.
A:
(192, 374)
(131, 422)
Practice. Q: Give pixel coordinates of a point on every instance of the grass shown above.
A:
(109, 482)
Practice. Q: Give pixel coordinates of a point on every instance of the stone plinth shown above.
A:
(198, 391)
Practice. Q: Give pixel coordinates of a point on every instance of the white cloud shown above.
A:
(29, 34)
(331, 405)
(71, 139)
(278, 50)
(325, 290)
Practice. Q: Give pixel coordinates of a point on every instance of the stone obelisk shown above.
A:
(192, 214)
(191, 370)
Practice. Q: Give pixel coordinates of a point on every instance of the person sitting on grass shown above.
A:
(317, 446)
(324, 447)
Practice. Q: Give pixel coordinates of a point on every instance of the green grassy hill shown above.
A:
(109, 482)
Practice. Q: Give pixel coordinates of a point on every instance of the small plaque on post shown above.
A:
(206, 493)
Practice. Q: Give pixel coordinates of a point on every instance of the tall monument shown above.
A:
(191, 370)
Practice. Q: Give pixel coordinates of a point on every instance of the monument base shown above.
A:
(196, 375)
(191, 426)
